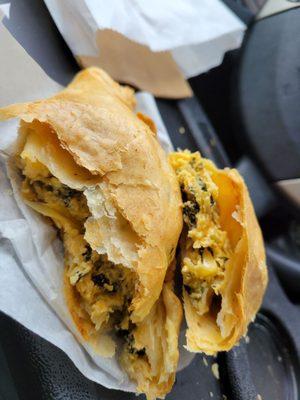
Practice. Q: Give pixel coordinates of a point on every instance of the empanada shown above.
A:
(222, 254)
(96, 169)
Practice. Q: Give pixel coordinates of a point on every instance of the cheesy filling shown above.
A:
(207, 246)
(105, 289)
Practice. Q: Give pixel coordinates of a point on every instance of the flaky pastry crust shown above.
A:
(92, 124)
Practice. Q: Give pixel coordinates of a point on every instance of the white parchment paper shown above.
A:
(31, 259)
(197, 32)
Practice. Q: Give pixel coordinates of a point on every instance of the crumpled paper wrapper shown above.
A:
(152, 45)
(31, 256)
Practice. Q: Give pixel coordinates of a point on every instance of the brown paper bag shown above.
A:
(135, 64)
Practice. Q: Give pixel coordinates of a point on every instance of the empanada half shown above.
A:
(222, 254)
(96, 169)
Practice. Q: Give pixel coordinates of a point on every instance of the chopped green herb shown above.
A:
(210, 250)
(100, 280)
(190, 211)
(188, 289)
(201, 251)
(103, 282)
(88, 253)
(202, 184)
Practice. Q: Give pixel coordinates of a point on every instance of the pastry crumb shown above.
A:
(247, 339)
(211, 394)
(205, 361)
(259, 397)
(181, 130)
(237, 215)
(215, 370)
(279, 359)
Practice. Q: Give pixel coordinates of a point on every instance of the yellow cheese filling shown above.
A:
(105, 289)
(207, 246)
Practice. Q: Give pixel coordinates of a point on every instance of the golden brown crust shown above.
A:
(93, 121)
(245, 277)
